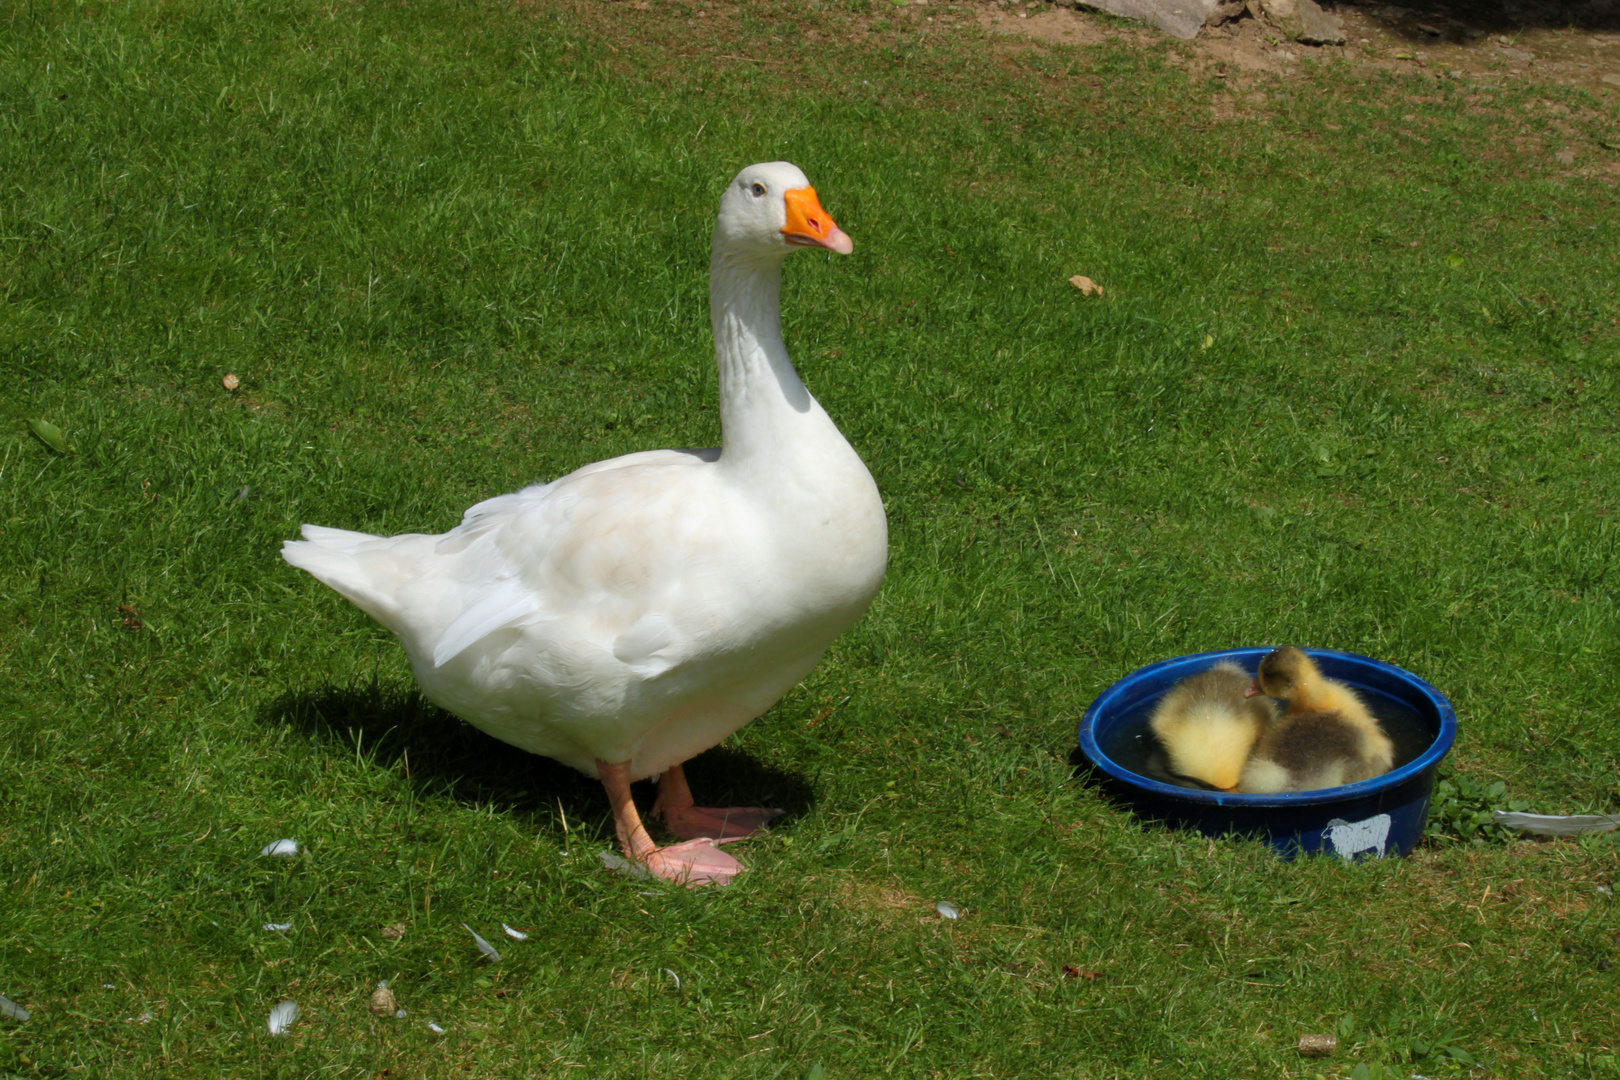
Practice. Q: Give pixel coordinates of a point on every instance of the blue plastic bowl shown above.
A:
(1377, 817)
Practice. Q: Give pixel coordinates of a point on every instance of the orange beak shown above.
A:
(808, 225)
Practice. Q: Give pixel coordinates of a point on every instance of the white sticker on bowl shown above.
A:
(1351, 838)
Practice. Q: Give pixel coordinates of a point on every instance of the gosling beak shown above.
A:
(1253, 690)
(808, 225)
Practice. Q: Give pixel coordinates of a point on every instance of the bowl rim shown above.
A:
(1343, 793)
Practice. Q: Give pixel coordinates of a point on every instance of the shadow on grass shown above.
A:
(1444, 18)
(441, 755)
(1084, 773)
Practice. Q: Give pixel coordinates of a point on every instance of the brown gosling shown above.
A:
(1326, 738)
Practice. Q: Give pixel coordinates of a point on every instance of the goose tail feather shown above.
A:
(334, 558)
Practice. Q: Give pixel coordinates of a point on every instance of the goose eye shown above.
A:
(758, 189)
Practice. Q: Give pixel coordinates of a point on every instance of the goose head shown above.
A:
(1284, 673)
(769, 210)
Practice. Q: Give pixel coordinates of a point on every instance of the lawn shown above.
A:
(1353, 383)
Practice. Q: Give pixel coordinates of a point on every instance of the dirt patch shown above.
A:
(1500, 43)
(886, 901)
(1051, 25)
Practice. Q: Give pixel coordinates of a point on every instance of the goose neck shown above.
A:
(760, 393)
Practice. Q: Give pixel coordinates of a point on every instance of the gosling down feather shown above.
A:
(1325, 738)
(635, 612)
(1208, 725)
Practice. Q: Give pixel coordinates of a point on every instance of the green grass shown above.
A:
(1345, 389)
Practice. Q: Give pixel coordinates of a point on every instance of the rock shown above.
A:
(1178, 18)
(1565, 157)
(382, 1001)
(1517, 55)
(1612, 78)
(1224, 13)
(1304, 21)
(1320, 28)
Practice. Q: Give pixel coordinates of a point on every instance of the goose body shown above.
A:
(635, 612)
(1325, 738)
(1208, 727)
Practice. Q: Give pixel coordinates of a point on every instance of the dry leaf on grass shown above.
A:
(1086, 286)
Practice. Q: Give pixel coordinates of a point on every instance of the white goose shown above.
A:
(635, 612)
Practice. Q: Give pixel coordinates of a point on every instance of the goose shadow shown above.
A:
(443, 756)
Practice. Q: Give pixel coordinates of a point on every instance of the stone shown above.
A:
(1304, 21)
(1317, 27)
(1224, 13)
(1565, 157)
(1178, 18)
(382, 1001)
(1612, 78)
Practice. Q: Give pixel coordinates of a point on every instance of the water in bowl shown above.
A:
(1132, 744)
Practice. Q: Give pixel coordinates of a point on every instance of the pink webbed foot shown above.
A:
(694, 863)
(720, 824)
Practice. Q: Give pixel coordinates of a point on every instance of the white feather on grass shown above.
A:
(12, 1009)
(674, 976)
(281, 849)
(1556, 825)
(435, 1028)
(515, 935)
(483, 946)
(947, 910)
(622, 865)
(282, 1017)
(278, 927)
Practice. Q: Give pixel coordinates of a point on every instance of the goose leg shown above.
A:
(696, 862)
(721, 824)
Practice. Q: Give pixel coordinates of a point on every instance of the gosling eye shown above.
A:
(758, 189)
